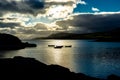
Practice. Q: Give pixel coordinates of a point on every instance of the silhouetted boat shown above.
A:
(68, 46)
(51, 45)
(58, 46)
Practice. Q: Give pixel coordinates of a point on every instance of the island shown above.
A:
(10, 42)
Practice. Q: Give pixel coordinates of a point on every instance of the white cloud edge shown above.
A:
(95, 13)
(95, 9)
(81, 2)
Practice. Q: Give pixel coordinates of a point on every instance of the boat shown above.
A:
(58, 46)
(51, 45)
(68, 46)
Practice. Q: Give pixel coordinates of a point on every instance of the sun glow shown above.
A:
(59, 11)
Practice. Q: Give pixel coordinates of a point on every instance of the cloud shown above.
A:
(10, 25)
(60, 0)
(35, 7)
(7, 30)
(21, 6)
(95, 9)
(17, 17)
(80, 23)
(57, 9)
(39, 30)
(47, 8)
(40, 27)
(92, 22)
(81, 2)
(25, 32)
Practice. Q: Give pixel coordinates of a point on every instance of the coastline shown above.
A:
(30, 68)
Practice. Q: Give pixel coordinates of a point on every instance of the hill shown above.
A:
(31, 69)
(113, 35)
(10, 42)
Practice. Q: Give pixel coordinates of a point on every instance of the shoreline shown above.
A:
(30, 68)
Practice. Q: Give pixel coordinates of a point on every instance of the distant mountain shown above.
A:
(113, 35)
(110, 36)
(74, 36)
(65, 36)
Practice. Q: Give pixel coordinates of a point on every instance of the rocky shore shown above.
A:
(29, 68)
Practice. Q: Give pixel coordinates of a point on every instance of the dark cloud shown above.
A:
(92, 22)
(11, 18)
(36, 4)
(23, 6)
(69, 3)
(11, 25)
(1, 19)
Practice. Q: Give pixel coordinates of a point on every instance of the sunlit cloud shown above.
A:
(57, 9)
(81, 2)
(95, 9)
(57, 12)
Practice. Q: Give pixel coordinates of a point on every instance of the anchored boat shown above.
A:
(58, 46)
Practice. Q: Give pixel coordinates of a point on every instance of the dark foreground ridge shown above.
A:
(10, 42)
(29, 68)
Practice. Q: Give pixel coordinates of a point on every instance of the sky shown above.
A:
(39, 18)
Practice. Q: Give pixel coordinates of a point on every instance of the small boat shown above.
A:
(58, 46)
(51, 45)
(68, 46)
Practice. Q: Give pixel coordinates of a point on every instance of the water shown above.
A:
(97, 59)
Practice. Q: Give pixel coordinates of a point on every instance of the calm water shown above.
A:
(97, 59)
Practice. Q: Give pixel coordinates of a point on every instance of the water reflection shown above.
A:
(99, 64)
(58, 42)
(57, 55)
(62, 56)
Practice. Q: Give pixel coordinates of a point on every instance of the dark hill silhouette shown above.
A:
(10, 42)
(108, 36)
(64, 36)
(29, 68)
